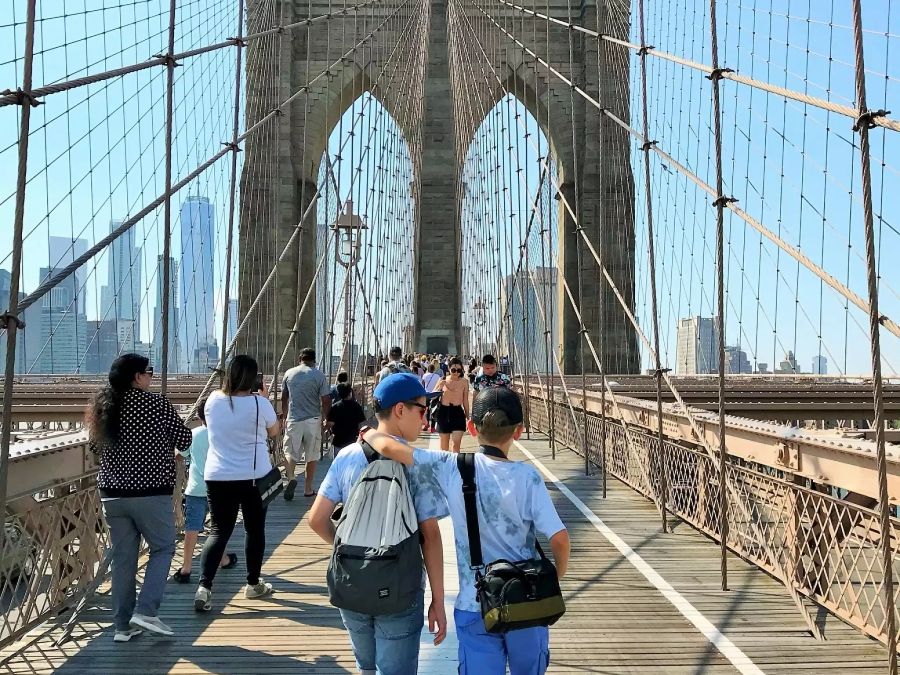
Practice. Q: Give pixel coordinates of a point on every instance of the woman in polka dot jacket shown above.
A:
(136, 434)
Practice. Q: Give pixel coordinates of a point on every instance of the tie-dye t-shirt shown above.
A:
(512, 500)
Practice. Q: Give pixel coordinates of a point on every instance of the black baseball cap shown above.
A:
(497, 399)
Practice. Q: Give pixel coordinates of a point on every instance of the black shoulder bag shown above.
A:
(512, 595)
(270, 485)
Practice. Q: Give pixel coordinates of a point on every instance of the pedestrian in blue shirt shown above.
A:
(389, 643)
(513, 506)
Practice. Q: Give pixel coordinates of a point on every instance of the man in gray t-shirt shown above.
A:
(305, 402)
(395, 365)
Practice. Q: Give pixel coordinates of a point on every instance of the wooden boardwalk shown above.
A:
(625, 614)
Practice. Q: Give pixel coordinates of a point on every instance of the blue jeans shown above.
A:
(195, 509)
(129, 519)
(527, 651)
(387, 644)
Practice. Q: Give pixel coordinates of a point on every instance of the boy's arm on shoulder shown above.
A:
(389, 446)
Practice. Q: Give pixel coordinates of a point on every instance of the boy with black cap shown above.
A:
(513, 504)
(389, 642)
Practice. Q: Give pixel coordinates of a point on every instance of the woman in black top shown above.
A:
(136, 434)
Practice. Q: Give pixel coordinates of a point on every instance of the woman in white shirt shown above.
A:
(239, 421)
(430, 380)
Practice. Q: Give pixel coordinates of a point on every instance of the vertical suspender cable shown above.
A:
(662, 485)
(231, 196)
(863, 124)
(167, 204)
(10, 320)
(601, 301)
(719, 204)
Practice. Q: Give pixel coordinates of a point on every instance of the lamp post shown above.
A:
(348, 233)
(480, 318)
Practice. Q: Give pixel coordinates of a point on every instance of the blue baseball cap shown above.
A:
(398, 388)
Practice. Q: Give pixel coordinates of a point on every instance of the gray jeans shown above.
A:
(129, 519)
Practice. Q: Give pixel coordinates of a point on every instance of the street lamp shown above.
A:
(480, 318)
(348, 229)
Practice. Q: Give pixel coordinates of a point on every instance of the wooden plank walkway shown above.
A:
(617, 620)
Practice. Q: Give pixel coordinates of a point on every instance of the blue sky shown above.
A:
(97, 152)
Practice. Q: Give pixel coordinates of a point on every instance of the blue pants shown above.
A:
(526, 651)
(387, 644)
(129, 519)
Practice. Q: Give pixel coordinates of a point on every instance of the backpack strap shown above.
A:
(465, 464)
(370, 452)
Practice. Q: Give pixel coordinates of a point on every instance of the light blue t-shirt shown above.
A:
(513, 503)
(196, 486)
(306, 386)
(349, 465)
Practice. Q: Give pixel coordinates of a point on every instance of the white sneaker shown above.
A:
(151, 623)
(126, 635)
(203, 599)
(262, 589)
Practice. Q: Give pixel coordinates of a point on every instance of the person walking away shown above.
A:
(342, 378)
(240, 421)
(195, 502)
(344, 419)
(389, 643)
(472, 371)
(454, 407)
(136, 433)
(305, 402)
(430, 381)
(513, 505)
(490, 376)
(395, 365)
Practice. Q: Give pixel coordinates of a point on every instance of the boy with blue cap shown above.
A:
(513, 505)
(389, 643)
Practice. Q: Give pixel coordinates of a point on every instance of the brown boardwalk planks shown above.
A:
(617, 622)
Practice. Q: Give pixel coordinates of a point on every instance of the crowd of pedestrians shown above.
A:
(378, 505)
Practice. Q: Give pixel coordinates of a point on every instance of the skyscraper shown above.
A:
(736, 361)
(819, 365)
(197, 312)
(63, 329)
(120, 298)
(176, 364)
(696, 351)
(64, 250)
(232, 322)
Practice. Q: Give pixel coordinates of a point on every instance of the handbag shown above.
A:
(512, 595)
(270, 485)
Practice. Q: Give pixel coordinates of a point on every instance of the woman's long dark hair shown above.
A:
(240, 375)
(105, 409)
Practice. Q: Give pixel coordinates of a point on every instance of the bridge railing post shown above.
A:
(864, 123)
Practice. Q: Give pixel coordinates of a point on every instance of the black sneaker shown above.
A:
(289, 489)
(181, 577)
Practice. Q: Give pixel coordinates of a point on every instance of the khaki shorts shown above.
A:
(303, 441)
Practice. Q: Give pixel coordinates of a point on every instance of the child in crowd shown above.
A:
(513, 506)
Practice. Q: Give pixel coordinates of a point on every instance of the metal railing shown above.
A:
(809, 537)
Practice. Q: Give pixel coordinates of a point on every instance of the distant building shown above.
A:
(524, 298)
(197, 312)
(102, 346)
(762, 367)
(121, 297)
(788, 365)
(696, 351)
(232, 322)
(62, 328)
(175, 360)
(736, 361)
(819, 365)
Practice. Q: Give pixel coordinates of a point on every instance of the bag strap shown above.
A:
(256, 436)
(465, 464)
(370, 452)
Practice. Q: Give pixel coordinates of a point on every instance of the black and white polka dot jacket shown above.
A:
(142, 462)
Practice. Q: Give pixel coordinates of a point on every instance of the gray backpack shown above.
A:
(376, 565)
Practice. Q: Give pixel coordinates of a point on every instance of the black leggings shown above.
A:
(225, 497)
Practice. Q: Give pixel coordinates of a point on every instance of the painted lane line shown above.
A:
(727, 648)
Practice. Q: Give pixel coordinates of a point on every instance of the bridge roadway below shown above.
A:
(638, 602)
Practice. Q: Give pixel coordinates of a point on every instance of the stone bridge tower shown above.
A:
(281, 168)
